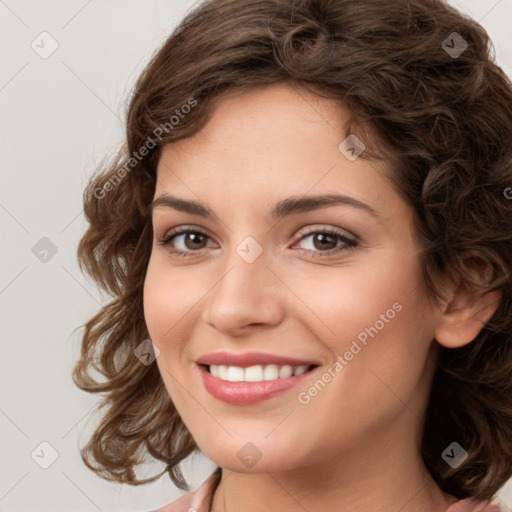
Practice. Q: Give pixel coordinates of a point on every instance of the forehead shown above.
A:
(267, 143)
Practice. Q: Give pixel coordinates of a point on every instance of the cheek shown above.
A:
(165, 304)
(378, 322)
(165, 315)
(351, 298)
(155, 299)
(171, 307)
(375, 382)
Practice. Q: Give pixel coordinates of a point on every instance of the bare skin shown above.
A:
(355, 445)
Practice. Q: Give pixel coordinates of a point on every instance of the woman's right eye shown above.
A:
(188, 240)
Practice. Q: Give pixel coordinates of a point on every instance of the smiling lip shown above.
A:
(245, 393)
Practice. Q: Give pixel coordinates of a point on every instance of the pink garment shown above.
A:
(201, 499)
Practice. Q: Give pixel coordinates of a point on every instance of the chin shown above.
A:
(252, 458)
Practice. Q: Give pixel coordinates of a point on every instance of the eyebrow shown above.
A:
(283, 208)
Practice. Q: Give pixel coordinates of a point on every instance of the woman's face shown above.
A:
(279, 273)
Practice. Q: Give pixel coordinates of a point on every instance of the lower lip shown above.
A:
(243, 393)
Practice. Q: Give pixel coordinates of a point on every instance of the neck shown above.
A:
(379, 476)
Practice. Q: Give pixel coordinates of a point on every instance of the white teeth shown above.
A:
(235, 374)
(299, 370)
(223, 372)
(256, 373)
(253, 373)
(285, 371)
(271, 372)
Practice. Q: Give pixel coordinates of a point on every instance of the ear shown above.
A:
(465, 315)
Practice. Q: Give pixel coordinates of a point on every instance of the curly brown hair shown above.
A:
(445, 119)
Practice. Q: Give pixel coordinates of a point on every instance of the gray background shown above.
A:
(60, 115)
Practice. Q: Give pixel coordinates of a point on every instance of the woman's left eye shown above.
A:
(323, 242)
(325, 238)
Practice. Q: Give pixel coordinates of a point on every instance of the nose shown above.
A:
(247, 294)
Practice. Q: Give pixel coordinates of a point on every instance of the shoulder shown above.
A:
(470, 505)
(199, 500)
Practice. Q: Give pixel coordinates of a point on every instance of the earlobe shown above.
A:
(465, 316)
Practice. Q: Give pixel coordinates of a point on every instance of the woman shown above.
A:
(308, 242)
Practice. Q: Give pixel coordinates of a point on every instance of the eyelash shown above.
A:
(349, 243)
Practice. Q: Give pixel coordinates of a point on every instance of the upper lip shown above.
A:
(250, 359)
